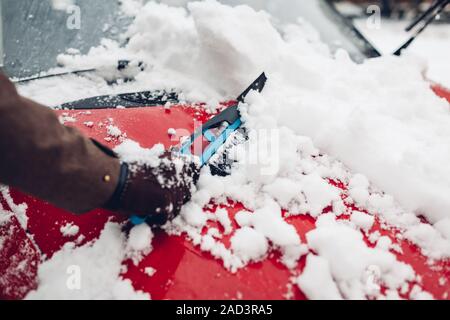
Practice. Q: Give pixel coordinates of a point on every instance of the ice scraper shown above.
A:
(226, 123)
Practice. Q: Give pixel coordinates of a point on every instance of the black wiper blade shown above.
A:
(428, 17)
(437, 4)
(124, 100)
(52, 75)
(121, 65)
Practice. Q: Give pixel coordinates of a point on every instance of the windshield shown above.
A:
(334, 30)
(34, 33)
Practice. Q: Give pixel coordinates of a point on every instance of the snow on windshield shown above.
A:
(432, 46)
(376, 126)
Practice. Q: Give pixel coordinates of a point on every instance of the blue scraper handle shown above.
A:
(231, 116)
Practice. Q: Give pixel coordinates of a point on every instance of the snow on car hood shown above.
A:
(379, 119)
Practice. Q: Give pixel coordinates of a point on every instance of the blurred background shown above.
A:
(392, 9)
(433, 45)
(32, 33)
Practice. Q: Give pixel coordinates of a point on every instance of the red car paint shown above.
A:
(183, 270)
(441, 91)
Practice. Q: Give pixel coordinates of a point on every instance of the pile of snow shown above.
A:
(114, 131)
(88, 272)
(333, 240)
(131, 152)
(269, 222)
(379, 118)
(5, 217)
(249, 245)
(19, 210)
(139, 243)
(69, 230)
(316, 275)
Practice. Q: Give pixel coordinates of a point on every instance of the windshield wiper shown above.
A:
(52, 75)
(121, 66)
(427, 18)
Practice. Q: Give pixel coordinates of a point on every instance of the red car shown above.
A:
(183, 270)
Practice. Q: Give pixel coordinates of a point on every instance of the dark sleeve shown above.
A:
(41, 157)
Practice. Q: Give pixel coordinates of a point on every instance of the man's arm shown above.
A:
(41, 157)
(46, 159)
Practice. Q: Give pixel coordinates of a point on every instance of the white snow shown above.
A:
(269, 222)
(5, 216)
(249, 245)
(384, 243)
(139, 242)
(193, 214)
(430, 241)
(69, 230)
(113, 131)
(131, 152)
(418, 294)
(224, 219)
(320, 118)
(358, 189)
(65, 119)
(73, 51)
(432, 46)
(88, 272)
(316, 280)
(19, 210)
(319, 194)
(171, 132)
(243, 218)
(362, 220)
(62, 5)
(351, 259)
(150, 271)
(284, 190)
(443, 226)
